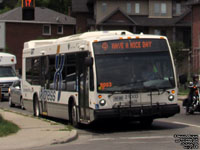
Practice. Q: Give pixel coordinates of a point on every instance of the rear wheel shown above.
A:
(21, 103)
(191, 110)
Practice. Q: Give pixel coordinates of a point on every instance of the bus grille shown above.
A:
(5, 84)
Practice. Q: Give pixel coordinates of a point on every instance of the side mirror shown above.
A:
(182, 79)
(88, 61)
(190, 83)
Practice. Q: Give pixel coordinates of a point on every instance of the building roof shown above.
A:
(108, 19)
(42, 15)
(144, 20)
(193, 2)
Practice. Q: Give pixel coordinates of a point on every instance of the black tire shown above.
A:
(22, 103)
(74, 116)
(191, 111)
(36, 107)
(11, 104)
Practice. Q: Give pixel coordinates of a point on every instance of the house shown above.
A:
(47, 24)
(166, 17)
(171, 18)
(195, 36)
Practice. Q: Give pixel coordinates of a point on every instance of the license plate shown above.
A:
(118, 98)
(132, 97)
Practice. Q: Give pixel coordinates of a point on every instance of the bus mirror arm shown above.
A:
(88, 61)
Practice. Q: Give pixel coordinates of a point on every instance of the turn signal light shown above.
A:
(173, 91)
(99, 96)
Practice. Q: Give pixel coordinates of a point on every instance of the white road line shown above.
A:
(187, 124)
(131, 138)
(102, 139)
(145, 137)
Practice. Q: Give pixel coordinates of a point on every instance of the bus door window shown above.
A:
(69, 72)
(36, 71)
(51, 71)
(44, 71)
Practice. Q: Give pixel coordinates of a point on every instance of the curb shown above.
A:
(70, 135)
(72, 138)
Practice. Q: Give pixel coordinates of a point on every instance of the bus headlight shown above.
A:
(102, 102)
(171, 97)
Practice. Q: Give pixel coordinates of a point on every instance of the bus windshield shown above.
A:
(134, 71)
(7, 72)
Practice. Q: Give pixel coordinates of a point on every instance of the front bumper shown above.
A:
(154, 111)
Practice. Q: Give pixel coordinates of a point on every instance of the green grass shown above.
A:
(183, 91)
(67, 128)
(7, 128)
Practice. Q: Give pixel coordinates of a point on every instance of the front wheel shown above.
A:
(146, 122)
(74, 116)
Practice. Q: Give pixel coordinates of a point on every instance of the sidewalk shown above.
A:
(34, 132)
(182, 97)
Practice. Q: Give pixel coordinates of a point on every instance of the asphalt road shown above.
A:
(165, 134)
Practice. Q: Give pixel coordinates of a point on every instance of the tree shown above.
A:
(178, 53)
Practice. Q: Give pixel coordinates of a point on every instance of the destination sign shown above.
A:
(130, 46)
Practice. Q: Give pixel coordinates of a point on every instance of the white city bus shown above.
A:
(99, 75)
(7, 73)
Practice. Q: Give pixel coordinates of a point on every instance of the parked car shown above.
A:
(15, 94)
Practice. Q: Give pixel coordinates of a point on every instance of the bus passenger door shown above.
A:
(83, 87)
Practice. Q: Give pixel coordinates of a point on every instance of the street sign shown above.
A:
(28, 3)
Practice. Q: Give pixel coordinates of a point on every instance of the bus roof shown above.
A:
(7, 59)
(88, 36)
(38, 43)
(95, 34)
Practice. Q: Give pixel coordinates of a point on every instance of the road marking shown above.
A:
(187, 124)
(145, 137)
(144, 142)
(102, 139)
(130, 138)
